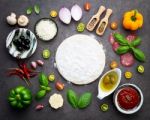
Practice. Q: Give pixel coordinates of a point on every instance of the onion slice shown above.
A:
(65, 15)
(76, 12)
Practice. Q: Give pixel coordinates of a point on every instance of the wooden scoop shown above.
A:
(103, 24)
(95, 19)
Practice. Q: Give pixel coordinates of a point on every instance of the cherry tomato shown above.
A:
(114, 25)
(87, 6)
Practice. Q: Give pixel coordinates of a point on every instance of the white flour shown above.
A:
(80, 59)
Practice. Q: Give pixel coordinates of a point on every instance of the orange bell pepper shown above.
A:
(132, 20)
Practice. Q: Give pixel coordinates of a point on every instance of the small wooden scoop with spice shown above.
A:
(95, 19)
(103, 24)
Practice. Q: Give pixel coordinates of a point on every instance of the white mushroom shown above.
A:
(11, 19)
(56, 101)
(23, 20)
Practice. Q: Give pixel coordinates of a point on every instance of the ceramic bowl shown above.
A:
(131, 111)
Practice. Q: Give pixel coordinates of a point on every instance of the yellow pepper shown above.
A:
(132, 20)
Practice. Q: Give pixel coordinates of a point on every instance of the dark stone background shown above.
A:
(67, 113)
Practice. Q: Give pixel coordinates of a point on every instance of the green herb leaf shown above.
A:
(84, 100)
(40, 94)
(43, 79)
(29, 11)
(72, 98)
(136, 42)
(37, 9)
(122, 49)
(45, 88)
(120, 39)
(139, 55)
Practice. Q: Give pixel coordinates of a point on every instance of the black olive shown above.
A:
(23, 43)
(28, 33)
(27, 41)
(22, 37)
(26, 47)
(19, 48)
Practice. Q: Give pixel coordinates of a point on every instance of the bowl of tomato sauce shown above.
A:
(128, 98)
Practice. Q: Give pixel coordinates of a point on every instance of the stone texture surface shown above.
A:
(67, 113)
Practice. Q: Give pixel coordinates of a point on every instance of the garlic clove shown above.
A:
(34, 65)
(23, 20)
(40, 62)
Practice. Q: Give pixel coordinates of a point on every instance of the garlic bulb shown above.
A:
(11, 19)
(23, 20)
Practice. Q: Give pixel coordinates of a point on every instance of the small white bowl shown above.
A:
(131, 111)
(102, 94)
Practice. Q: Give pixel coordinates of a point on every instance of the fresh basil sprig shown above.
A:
(44, 87)
(79, 102)
(126, 46)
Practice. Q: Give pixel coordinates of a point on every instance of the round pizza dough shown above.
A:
(80, 59)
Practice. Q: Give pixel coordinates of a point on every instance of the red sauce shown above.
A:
(128, 98)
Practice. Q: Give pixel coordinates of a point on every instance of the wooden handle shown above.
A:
(100, 11)
(108, 13)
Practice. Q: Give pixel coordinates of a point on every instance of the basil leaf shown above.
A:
(84, 100)
(29, 10)
(40, 94)
(139, 55)
(122, 49)
(72, 98)
(120, 39)
(45, 88)
(43, 79)
(136, 42)
(37, 9)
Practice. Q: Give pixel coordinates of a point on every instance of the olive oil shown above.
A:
(109, 81)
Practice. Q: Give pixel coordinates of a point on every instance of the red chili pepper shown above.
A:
(26, 73)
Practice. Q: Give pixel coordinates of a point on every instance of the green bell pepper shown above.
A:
(20, 97)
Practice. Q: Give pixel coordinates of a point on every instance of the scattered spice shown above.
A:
(102, 26)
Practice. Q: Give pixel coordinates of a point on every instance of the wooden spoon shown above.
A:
(103, 24)
(95, 19)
